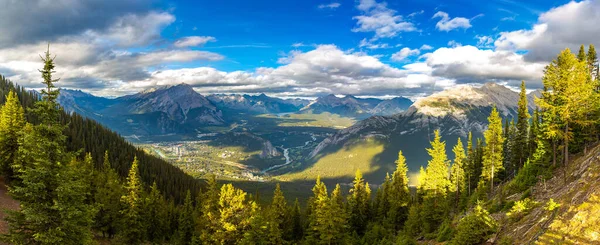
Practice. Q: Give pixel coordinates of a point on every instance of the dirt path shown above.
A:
(6, 202)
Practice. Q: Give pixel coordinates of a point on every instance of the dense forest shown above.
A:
(77, 182)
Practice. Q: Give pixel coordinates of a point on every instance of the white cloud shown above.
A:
(454, 44)
(413, 14)
(405, 53)
(133, 29)
(376, 17)
(426, 47)
(447, 24)
(484, 41)
(470, 64)
(330, 6)
(364, 43)
(193, 41)
(569, 25)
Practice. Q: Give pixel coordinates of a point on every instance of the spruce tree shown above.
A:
(469, 162)
(592, 61)
(297, 228)
(317, 211)
(435, 186)
(52, 193)
(236, 215)
(492, 152)
(359, 204)
(278, 215)
(522, 128)
(186, 225)
(108, 200)
(568, 97)
(457, 173)
(399, 196)
(581, 55)
(12, 121)
(133, 228)
(155, 216)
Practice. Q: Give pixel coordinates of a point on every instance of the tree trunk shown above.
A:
(554, 153)
(566, 144)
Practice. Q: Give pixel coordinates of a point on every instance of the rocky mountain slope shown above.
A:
(350, 106)
(456, 112)
(260, 104)
(162, 110)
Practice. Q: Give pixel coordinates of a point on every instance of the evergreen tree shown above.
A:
(359, 204)
(297, 230)
(435, 186)
(469, 162)
(108, 200)
(278, 216)
(511, 150)
(581, 55)
(334, 229)
(492, 155)
(52, 193)
(133, 227)
(209, 218)
(186, 226)
(568, 97)
(316, 212)
(155, 216)
(399, 196)
(592, 61)
(457, 173)
(236, 215)
(12, 121)
(522, 136)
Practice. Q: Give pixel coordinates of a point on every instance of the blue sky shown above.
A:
(369, 48)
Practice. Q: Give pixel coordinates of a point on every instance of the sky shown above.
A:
(295, 48)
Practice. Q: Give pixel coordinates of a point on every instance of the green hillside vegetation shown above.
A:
(325, 119)
(533, 181)
(341, 164)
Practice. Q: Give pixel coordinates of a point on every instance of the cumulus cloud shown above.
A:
(468, 64)
(364, 43)
(193, 41)
(484, 41)
(27, 22)
(447, 24)
(569, 25)
(426, 47)
(405, 53)
(377, 17)
(329, 6)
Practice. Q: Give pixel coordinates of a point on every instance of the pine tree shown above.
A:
(108, 200)
(469, 162)
(359, 204)
(236, 215)
(581, 55)
(155, 216)
(457, 173)
(492, 156)
(522, 128)
(592, 61)
(297, 230)
(209, 220)
(12, 121)
(278, 216)
(435, 186)
(333, 230)
(316, 211)
(186, 225)
(133, 229)
(399, 196)
(568, 97)
(52, 193)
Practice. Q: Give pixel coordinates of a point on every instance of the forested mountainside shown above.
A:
(531, 180)
(87, 136)
(351, 106)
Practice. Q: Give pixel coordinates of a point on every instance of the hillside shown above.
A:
(455, 112)
(360, 108)
(576, 188)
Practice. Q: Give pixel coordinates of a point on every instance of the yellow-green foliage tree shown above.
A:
(567, 99)
(492, 152)
(12, 121)
(434, 186)
(133, 229)
(457, 173)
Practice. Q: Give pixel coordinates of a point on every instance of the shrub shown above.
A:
(475, 228)
(445, 232)
(521, 208)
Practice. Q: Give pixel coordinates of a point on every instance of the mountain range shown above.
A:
(455, 112)
(179, 109)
